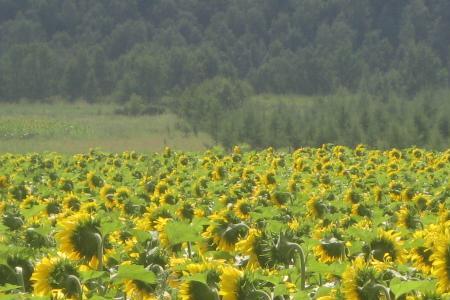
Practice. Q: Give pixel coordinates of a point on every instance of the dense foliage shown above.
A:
(329, 223)
(205, 59)
(86, 48)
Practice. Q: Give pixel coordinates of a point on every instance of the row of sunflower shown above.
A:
(317, 223)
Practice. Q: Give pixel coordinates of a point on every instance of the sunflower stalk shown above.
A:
(19, 274)
(382, 289)
(189, 246)
(257, 293)
(75, 282)
(99, 242)
(300, 263)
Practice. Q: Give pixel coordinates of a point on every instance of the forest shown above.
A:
(261, 72)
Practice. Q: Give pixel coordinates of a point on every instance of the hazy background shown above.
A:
(140, 74)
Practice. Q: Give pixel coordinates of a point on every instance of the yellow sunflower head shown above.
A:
(441, 263)
(230, 283)
(79, 238)
(196, 290)
(420, 257)
(56, 275)
(330, 250)
(387, 246)
(358, 280)
(93, 180)
(137, 289)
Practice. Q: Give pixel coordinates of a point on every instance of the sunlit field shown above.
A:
(316, 223)
(72, 128)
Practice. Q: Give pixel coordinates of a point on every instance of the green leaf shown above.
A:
(28, 213)
(87, 275)
(44, 230)
(109, 226)
(280, 289)
(135, 272)
(9, 287)
(275, 226)
(178, 232)
(318, 267)
(301, 295)
(399, 287)
(200, 277)
(99, 298)
(323, 291)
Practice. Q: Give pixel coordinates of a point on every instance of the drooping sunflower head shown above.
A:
(186, 211)
(441, 263)
(107, 192)
(72, 202)
(330, 250)
(316, 207)
(137, 289)
(55, 275)
(355, 280)
(353, 196)
(79, 237)
(160, 226)
(225, 234)
(230, 283)
(242, 208)
(387, 246)
(408, 218)
(249, 246)
(279, 198)
(196, 290)
(9, 271)
(93, 180)
(421, 201)
(122, 193)
(420, 258)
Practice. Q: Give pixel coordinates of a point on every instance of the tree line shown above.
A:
(163, 52)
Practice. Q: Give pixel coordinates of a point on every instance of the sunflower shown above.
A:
(316, 207)
(421, 201)
(230, 282)
(225, 235)
(294, 225)
(420, 257)
(387, 246)
(242, 209)
(94, 181)
(71, 202)
(160, 226)
(139, 290)
(107, 195)
(186, 211)
(56, 275)
(196, 290)
(3, 182)
(355, 279)
(407, 218)
(330, 250)
(441, 264)
(80, 238)
(247, 246)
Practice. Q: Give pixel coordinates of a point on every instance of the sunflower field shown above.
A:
(316, 223)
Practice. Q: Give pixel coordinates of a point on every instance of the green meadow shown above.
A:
(77, 127)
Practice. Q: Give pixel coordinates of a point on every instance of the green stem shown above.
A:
(383, 289)
(99, 241)
(189, 249)
(19, 274)
(74, 281)
(300, 263)
(262, 293)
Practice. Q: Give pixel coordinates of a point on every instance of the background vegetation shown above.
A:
(372, 71)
